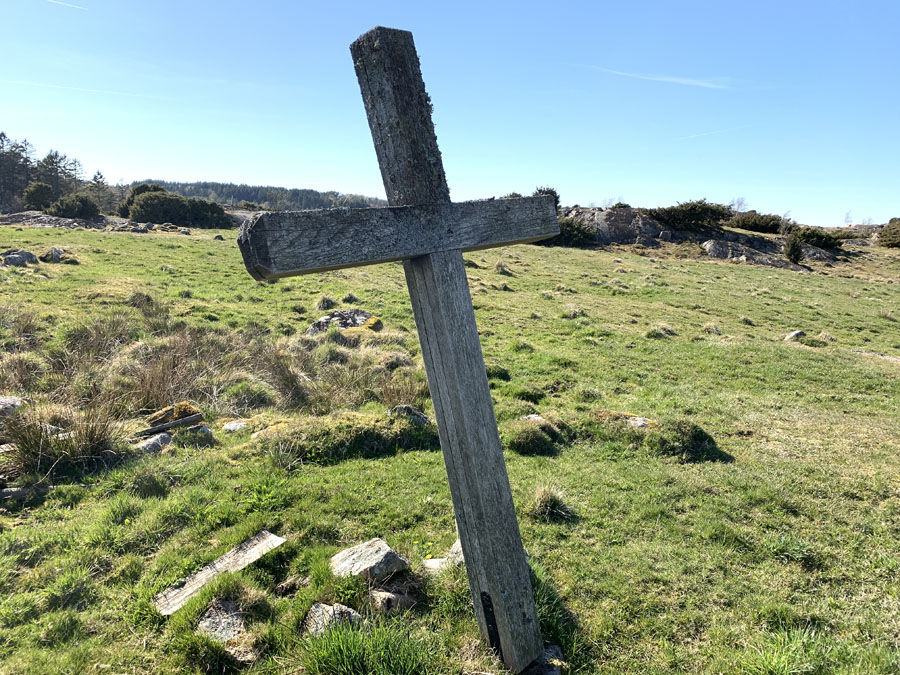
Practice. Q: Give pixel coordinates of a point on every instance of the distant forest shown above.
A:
(265, 196)
(61, 175)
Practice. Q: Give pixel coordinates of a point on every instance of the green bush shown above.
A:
(125, 207)
(573, 233)
(793, 247)
(767, 223)
(890, 235)
(74, 206)
(816, 236)
(164, 207)
(695, 215)
(38, 196)
(531, 437)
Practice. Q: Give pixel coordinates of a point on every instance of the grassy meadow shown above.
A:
(754, 530)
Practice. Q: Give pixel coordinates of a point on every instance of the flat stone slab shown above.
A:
(373, 560)
(174, 598)
(222, 621)
(155, 443)
(235, 426)
(321, 616)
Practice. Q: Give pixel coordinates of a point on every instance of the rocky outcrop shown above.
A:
(734, 252)
(344, 319)
(617, 226)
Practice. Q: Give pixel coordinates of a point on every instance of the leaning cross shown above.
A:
(429, 233)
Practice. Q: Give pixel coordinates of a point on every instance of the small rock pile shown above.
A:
(344, 319)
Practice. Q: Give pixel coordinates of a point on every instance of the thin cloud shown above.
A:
(711, 83)
(713, 133)
(47, 85)
(66, 4)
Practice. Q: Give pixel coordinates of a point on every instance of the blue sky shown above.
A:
(793, 106)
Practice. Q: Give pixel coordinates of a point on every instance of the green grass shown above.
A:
(780, 559)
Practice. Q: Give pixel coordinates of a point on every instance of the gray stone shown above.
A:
(154, 443)
(53, 255)
(619, 226)
(455, 554)
(741, 253)
(202, 434)
(342, 318)
(234, 426)
(665, 235)
(321, 616)
(638, 422)
(550, 662)
(388, 602)
(184, 230)
(793, 335)
(14, 260)
(222, 621)
(373, 560)
(18, 257)
(413, 413)
(219, 237)
(10, 404)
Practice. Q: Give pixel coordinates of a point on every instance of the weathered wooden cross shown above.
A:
(429, 233)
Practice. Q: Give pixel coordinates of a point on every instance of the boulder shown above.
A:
(235, 426)
(184, 230)
(10, 404)
(321, 616)
(52, 255)
(219, 237)
(342, 318)
(154, 443)
(616, 225)
(415, 415)
(16, 257)
(373, 560)
(794, 335)
(388, 602)
(741, 253)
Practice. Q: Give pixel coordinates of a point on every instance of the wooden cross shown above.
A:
(429, 233)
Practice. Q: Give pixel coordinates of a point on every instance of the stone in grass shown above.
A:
(343, 319)
(224, 624)
(235, 426)
(550, 662)
(415, 415)
(321, 616)
(388, 602)
(373, 560)
(154, 443)
(198, 435)
(10, 404)
(454, 558)
(794, 335)
(51, 255)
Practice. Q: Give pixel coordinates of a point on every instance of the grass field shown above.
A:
(774, 550)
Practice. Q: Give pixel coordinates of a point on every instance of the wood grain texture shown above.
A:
(174, 598)
(283, 244)
(399, 114)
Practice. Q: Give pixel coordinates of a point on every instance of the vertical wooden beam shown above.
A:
(399, 113)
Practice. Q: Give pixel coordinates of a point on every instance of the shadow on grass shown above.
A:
(559, 625)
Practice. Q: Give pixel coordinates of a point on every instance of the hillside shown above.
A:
(751, 525)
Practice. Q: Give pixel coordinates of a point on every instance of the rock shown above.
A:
(184, 230)
(735, 252)
(10, 404)
(155, 443)
(14, 260)
(219, 237)
(793, 335)
(435, 565)
(52, 255)
(388, 602)
(549, 662)
(292, 584)
(665, 235)
(235, 426)
(342, 318)
(455, 555)
(373, 560)
(618, 225)
(139, 229)
(320, 616)
(223, 623)
(817, 254)
(18, 258)
(638, 422)
(415, 415)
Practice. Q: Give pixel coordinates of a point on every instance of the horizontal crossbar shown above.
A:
(283, 244)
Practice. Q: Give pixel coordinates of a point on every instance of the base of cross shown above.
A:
(549, 662)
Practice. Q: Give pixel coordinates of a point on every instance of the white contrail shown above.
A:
(66, 4)
(715, 83)
(23, 83)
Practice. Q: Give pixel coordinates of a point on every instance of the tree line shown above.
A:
(27, 181)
